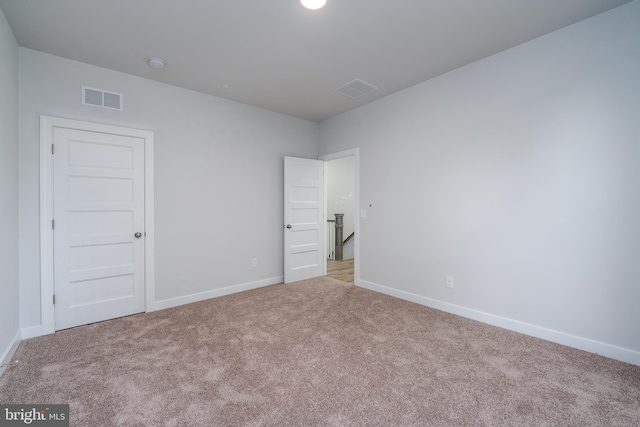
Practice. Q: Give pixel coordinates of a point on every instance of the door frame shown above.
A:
(47, 124)
(356, 243)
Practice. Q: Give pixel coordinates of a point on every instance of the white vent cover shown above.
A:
(356, 89)
(101, 98)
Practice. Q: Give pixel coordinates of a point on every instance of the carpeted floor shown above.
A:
(318, 352)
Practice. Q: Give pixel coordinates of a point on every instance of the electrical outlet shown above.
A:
(254, 262)
(449, 282)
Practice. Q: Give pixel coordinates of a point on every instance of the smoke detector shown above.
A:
(155, 62)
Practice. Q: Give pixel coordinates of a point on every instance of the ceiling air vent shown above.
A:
(101, 98)
(356, 89)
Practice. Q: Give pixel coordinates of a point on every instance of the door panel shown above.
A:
(304, 213)
(98, 207)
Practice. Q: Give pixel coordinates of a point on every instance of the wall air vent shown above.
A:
(356, 89)
(101, 98)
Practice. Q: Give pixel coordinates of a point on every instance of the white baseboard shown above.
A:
(603, 349)
(36, 331)
(32, 332)
(7, 354)
(187, 299)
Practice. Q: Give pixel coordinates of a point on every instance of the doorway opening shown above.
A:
(342, 221)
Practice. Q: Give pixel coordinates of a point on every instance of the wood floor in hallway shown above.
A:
(341, 270)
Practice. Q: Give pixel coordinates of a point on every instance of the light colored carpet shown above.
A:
(318, 352)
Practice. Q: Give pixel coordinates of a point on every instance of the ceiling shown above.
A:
(275, 54)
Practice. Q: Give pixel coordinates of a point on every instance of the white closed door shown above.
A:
(98, 236)
(304, 219)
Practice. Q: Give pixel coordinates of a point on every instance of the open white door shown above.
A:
(304, 226)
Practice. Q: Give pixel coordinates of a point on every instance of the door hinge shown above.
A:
(54, 299)
(53, 224)
(53, 150)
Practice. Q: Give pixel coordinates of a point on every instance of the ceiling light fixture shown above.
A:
(313, 4)
(155, 62)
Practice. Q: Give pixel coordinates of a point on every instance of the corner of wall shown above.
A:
(9, 217)
(7, 355)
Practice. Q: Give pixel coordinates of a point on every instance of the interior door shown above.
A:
(303, 218)
(98, 236)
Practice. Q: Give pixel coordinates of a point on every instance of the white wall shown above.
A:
(218, 176)
(341, 190)
(518, 175)
(9, 318)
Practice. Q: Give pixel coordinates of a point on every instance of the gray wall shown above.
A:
(9, 325)
(518, 175)
(218, 176)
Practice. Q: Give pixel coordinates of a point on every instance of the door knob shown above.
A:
(288, 225)
(138, 235)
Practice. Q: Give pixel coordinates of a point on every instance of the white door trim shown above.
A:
(356, 243)
(47, 124)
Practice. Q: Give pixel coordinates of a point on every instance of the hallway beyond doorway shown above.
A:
(341, 270)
